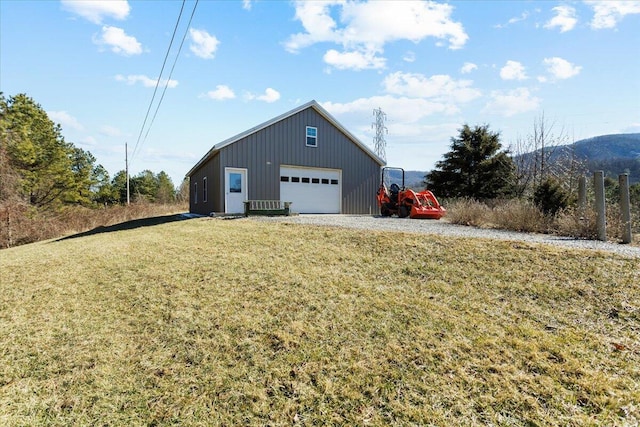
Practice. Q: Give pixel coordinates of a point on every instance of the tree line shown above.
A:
(40, 169)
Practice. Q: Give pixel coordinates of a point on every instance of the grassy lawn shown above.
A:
(236, 322)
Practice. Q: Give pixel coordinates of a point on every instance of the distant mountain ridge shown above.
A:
(614, 154)
(412, 179)
(608, 147)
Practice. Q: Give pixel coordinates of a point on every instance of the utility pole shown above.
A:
(126, 168)
(378, 141)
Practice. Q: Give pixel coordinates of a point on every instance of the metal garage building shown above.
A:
(303, 156)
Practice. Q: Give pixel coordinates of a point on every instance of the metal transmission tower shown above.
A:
(380, 145)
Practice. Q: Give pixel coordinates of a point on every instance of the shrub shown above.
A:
(468, 212)
(551, 197)
(520, 215)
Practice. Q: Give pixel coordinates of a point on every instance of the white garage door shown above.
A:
(311, 190)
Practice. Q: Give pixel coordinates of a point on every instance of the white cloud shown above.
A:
(517, 19)
(119, 41)
(88, 141)
(468, 67)
(409, 57)
(440, 87)
(146, 81)
(246, 4)
(203, 44)
(405, 109)
(565, 19)
(608, 13)
(65, 120)
(511, 103)
(221, 93)
(353, 60)
(514, 20)
(270, 95)
(361, 30)
(96, 10)
(110, 131)
(513, 70)
(561, 68)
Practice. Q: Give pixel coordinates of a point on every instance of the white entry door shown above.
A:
(235, 190)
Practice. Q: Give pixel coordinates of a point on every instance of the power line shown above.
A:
(153, 119)
(155, 90)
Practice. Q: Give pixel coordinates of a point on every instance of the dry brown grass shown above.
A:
(220, 322)
(524, 216)
(21, 224)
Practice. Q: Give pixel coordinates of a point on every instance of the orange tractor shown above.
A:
(404, 202)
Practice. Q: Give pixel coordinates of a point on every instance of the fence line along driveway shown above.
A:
(444, 228)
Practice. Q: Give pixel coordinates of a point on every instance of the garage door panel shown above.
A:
(311, 190)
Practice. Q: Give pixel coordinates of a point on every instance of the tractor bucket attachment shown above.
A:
(426, 206)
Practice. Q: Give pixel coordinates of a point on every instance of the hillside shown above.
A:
(239, 322)
(614, 154)
(608, 147)
(412, 179)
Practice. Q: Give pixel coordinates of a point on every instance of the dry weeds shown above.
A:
(524, 216)
(21, 224)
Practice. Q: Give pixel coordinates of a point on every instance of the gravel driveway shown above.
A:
(368, 222)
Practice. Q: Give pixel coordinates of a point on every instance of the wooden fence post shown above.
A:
(601, 217)
(625, 207)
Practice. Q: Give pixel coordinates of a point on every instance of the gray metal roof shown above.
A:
(311, 104)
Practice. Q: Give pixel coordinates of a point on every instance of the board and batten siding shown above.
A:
(284, 143)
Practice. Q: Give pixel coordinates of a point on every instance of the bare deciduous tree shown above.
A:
(543, 154)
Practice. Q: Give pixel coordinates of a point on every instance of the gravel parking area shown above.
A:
(442, 227)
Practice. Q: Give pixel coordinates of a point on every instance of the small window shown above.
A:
(204, 189)
(312, 136)
(325, 181)
(305, 180)
(284, 179)
(295, 179)
(195, 193)
(315, 180)
(334, 182)
(235, 182)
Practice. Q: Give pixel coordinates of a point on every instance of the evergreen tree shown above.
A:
(475, 167)
(144, 186)
(49, 172)
(166, 192)
(104, 193)
(119, 186)
(550, 197)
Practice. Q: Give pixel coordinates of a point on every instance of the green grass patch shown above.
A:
(219, 322)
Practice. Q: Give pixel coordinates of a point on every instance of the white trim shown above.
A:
(311, 104)
(306, 136)
(244, 184)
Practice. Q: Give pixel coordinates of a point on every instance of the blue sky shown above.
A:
(430, 66)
